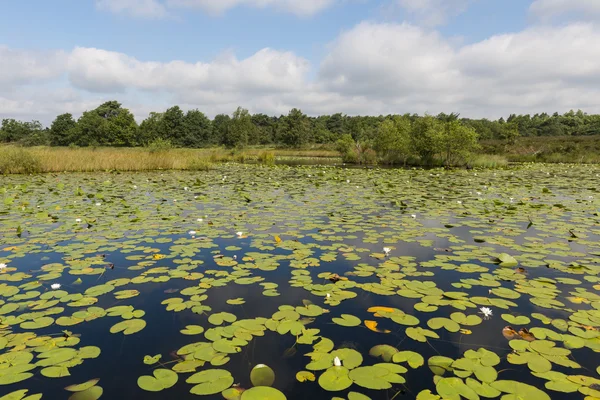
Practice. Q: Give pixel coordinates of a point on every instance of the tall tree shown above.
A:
(239, 130)
(197, 129)
(62, 129)
(294, 129)
(392, 142)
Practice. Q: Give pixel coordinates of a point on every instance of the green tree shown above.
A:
(392, 142)
(61, 130)
(265, 129)
(294, 129)
(426, 138)
(220, 126)
(509, 132)
(151, 129)
(172, 126)
(458, 143)
(17, 131)
(239, 129)
(197, 129)
(108, 125)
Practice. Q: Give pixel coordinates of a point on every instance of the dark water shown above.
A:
(354, 214)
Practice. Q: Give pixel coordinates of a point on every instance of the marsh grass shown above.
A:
(489, 161)
(16, 160)
(161, 156)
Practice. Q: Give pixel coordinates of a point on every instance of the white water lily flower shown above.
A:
(78, 220)
(234, 257)
(135, 186)
(192, 233)
(386, 250)
(199, 220)
(55, 286)
(328, 295)
(486, 311)
(239, 234)
(2, 266)
(98, 204)
(347, 180)
(186, 188)
(414, 216)
(337, 362)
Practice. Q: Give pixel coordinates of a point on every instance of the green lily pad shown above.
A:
(80, 387)
(211, 381)
(263, 393)
(520, 320)
(335, 379)
(347, 320)
(262, 375)
(220, 318)
(162, 379)
(151, 360)
(415, 360)
(446, 323)
(92, 393)
(128, 327)
(192, 330)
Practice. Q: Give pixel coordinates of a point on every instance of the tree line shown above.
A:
(111, 124)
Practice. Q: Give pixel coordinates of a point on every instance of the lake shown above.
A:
(254, 282)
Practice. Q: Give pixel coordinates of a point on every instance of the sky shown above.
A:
(480, 58)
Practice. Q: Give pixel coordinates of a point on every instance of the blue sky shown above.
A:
(361, 56)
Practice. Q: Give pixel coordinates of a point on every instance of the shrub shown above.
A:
(266, 157)
(159, 145)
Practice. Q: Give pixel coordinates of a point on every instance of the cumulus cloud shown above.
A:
(434, 12)
(372, 69)
(538, 69)
(548, 9)
(298, 7)
(26, 66)
(151, 9)
(267, 70)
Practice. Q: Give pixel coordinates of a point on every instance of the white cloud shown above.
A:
(266, 71)
(370, 69)
(298, 7)
(28, 66)
(414, 70)
(151, 9)
(434, 12)
(547, 9)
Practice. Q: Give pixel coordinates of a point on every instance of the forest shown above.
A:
(389, 138)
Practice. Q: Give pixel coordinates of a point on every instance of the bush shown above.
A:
(159, 145)
(267, 157)
(14, 160)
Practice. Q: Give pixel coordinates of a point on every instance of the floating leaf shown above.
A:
(262, 375)
(262, 393)
(162, 379)
(83, 386)
(305, 376)
(92, 393)
(128, 327)
(211, 381)
(151, 360)
(192, 330)
(347, 320)
(335, 379)
(372, 325)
